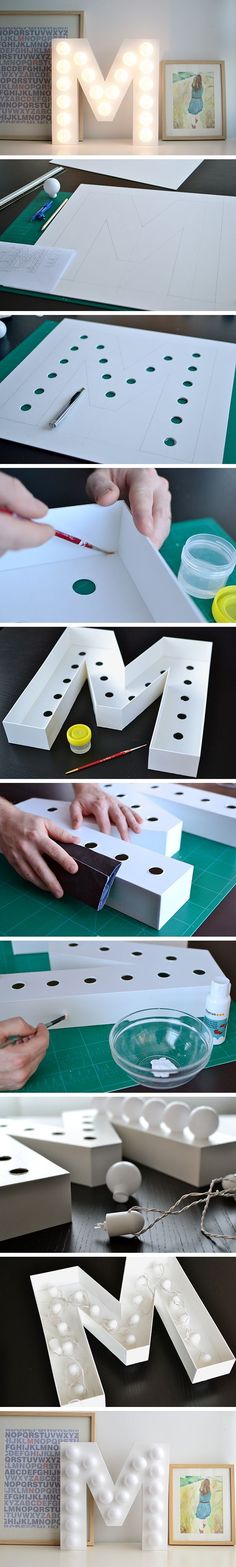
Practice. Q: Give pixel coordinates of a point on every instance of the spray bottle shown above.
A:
(217, 1009)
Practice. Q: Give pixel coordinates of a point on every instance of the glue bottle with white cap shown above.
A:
(217, 1009)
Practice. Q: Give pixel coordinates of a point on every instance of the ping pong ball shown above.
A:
(123, 1180)
(203, 1121)
(154, 1112)
(51, 186)
(3, 329)
(176, 1115)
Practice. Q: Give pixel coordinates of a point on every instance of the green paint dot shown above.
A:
(25, 408)
(176, 419)
(106, 376)
(74, 349)
(168, 356)
(182, 399)
(52, 375)
(63, 361)
(169, 441)
(110, 394)
(131, 381)
(84, 585)
(150, 369)
(38, 391)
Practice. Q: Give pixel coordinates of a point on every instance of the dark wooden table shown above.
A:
(26, 1376)
(218, 328)
(172, 1233)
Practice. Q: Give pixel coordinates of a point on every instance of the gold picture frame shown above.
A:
(201, 1475)
(193, 69)
(49, 1419)
(23, 127)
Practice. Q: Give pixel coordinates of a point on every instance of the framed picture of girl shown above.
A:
(201, 1504)
(193, 100)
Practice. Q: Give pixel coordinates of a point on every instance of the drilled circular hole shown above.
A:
(155, 870)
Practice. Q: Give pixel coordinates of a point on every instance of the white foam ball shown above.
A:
(3, 329)
(51, 186)
(203, 1121)
(154, 1112)
(176, 1115)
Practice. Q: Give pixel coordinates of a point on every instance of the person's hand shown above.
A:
(25, 840)
(146, 492)
(19, 532)
(18, 1062)
(91, 800)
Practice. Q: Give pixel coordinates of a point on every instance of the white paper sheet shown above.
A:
(31, 266)
(155, 378)
(170, 172)
(148, 250)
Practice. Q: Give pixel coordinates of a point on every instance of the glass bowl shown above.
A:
(160, 1047)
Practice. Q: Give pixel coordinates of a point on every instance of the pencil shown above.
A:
(102, 759)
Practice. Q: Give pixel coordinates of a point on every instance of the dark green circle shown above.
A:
(168, 356)
(150, 369)
(63, 361)
(52, 375)
(131, 380)
(176, 419)
(187, 383)
(182, 399)
(25, 408)
(84, 585)
(169, 441)
(106, 377)
(38, 390)
(110, 394)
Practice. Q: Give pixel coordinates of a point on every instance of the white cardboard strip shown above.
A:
(170, 172)
(86, 1147)
(149, 373)
(94, 993)
(34, 1190)
(203, 812)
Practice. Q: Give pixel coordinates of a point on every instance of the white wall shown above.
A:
(202, 30)
(209, 1436)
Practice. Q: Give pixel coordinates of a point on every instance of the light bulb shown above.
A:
(68, 1347)
(82, 57)
(63, 101)
(53, 1290)
(114, 93)
(104, 108)
(63, 47)
(114, 1103)
(65, 80)
(96, 91)
(166, 1286)
(123, 1180)
(55, 1348)
(63, 1328)
(64, 118)
(184, 1320)
(132, 1109)
(146, 100)
(205, 1359)
(146, 133)
(129, 57)
(82, 1300)
(146, 117)
(111, 1323)
(177, 1303)
(89, 74)
(146, 49)
(135, 1318)
(203, 1121)
(195, 1339)
(176, 1115)
(129, 1338)
(121, 75)
(153, 1110)
(95, 1311)
(63, 136)
(140, 1462)
(56, 1310)
(52, 186)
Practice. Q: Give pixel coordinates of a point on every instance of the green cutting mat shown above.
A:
(16, 356)
(172, 549)
(24, 909)
(79, 1059)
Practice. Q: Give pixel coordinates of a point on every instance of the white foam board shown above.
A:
(149, 372)
(203, 812)
(170, 172)
(193, 1162)
(145, 249)
(110, 1323)
(85, 1144)
(93, 993)
(128, 577)
(147, 884)
(167, 666)
(79, 1356)
(159, 830)
(34, 1192)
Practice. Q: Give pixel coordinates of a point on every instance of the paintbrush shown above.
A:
(102, 759)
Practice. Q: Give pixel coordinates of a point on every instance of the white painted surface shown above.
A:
(99, 423)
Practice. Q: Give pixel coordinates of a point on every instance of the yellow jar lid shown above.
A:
(224, 605)
(79, 734)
